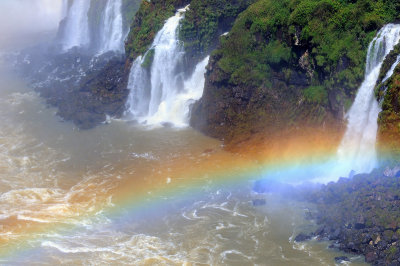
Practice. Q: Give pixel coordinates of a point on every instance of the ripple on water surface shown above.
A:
(67, 196)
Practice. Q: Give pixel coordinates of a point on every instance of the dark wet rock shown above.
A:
(359, 226)
(302, 237)
(259, 202)
(85, 88)
(341, 259)
(361, 215)
(336, 234)
(334, 245)
(371, 256)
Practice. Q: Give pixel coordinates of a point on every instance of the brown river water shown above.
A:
(96, 197)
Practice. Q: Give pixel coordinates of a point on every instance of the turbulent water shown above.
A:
(357, 150)
(64, 194)
(162, 95)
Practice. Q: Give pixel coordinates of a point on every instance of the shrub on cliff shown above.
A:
(308, 56)
(149, 19)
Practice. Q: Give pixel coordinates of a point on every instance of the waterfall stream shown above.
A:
(76, 31)
(64, 9)
(161, 95)
(357, 150)
(112, 29)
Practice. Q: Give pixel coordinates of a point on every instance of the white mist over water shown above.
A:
(21, 21)
(162, 96)
(77, 25)
(112, 38)
(357, 150)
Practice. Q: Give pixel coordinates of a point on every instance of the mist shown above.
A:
(22, 20)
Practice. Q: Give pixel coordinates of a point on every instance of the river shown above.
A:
(127, 194)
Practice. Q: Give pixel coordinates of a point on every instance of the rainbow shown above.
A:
(134, 199)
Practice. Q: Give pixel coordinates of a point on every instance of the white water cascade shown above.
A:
(357, 150)
(161, 95)
(64, 9)
(77, 25)
(112, 36)
(176, 108)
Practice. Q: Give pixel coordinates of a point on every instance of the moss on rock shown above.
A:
(148, 20)
(287, 63)
(205, 21)
(389, 119)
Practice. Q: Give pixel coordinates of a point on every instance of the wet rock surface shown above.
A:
(84, 88)
(341, 259)
(361, 215)
(302, 237)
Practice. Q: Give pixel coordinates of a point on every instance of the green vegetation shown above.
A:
(205, 21)
(316, 94)
(149, 19)
(389, 118)
(308, 56)
(267, 33)
(148, 60)
(129, 7)
(361, 214)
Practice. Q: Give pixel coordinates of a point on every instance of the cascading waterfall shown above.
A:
(168, 55)
(64, 8)
(160, 95)
(77, 25)
(357, 150)
(139, 87)
(176, 109)
(112, 36)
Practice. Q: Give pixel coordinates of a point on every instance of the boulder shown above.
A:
(302, 237)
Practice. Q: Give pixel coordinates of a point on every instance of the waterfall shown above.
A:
(176, 108)
(77, 25)
(161, 95)
(357, 150)
(112, 36)
(139, 88)
(168, 54)
(64, 9)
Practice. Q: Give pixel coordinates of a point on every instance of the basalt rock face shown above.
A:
(388, 94)
(362, 216)
(389, 118)
(286, 65)
(148, 20)
(85, 89)
(199, 31)
(227, 111)
(205, 22)
(85, 78)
